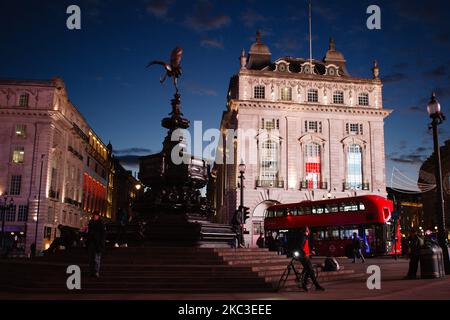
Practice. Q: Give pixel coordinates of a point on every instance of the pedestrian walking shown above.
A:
(122, 223)
(415, 243)
(96, 243)
(305, 259)
(357, 245)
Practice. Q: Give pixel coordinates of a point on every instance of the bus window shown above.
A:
(355, 207)
(292, 211)
(300, 211)
(281, 212)
(362, 206)
(317, 210)
(347, 207)
(326, 209)
(334, 208)
(307, 210)
(347, 232)
(269, 213)
(334, 234)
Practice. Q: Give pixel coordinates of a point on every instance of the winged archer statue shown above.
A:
(173, 69)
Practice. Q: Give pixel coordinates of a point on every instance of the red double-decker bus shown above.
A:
(334, 221)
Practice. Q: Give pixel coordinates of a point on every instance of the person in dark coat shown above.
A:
(260, 241)
(305, 259)
(357, 248)
(415, 243)
(270, 242)
(96, 237)
(122, 223)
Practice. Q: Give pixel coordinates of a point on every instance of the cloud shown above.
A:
(203, 19)
(408, 158)
(133, 151)
(159, 8)
(212, 43)
(438, 72)
(199, 90)
(250, 18)
(417, 109)
(129, 160)
(395, 77)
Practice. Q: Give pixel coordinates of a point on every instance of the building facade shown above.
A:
(51, 162)
(427, 177)
(306, 129)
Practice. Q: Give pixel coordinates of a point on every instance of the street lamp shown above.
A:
(434, 110)
(241, 207)
(38, 204)
(5, 206)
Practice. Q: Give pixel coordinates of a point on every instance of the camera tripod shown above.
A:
(299, 276)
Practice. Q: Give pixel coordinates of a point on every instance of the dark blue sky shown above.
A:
(103, 64)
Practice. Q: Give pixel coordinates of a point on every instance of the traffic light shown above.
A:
(246, 213)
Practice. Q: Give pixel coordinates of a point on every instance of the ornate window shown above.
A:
(269, 161)
(313, 126)
(270, 124)
(21, 130)
(354, 128)
(11, 214)
(363, 99)
(14, 188)
(286, 94)
(312, 165)
(18, 154)
(338, 97)
(259, 92)
(313, 95)
(23, 213)
(23, 100)
(354, 167)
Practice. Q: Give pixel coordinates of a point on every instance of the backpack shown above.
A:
(331, 264)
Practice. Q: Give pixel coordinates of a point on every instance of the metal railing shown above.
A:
(277, 183)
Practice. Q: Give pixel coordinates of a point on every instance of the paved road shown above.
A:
(392, 288)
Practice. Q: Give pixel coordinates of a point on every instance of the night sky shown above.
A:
(103, 64)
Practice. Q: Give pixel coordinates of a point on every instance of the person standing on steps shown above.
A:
(260, 241)
(122, 222)
(305, 259)
(95, 243)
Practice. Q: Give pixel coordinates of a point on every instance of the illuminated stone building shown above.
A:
(40, 127)
(307, 129)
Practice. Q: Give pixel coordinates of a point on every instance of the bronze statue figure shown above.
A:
(173, 70)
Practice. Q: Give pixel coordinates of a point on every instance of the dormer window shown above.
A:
(259, 92)
(23, 100)
(338, 97)
(332, 71)
(313, 95)
(282, 67)
(363, 99)
(286, 94)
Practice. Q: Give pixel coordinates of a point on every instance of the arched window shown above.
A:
(259, 92)
(269, 161)
(312, 166)
(354, 167)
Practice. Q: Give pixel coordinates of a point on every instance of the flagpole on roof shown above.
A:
(310, 37)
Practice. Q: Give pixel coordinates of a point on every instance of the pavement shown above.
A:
(392, 288)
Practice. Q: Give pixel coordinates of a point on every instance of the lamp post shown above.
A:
(4, 207)
(39, 201)
(434, 110)
(241, 206)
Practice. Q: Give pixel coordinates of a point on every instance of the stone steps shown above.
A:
(158, 270)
